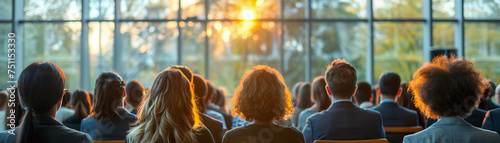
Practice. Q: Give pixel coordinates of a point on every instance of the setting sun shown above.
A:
(247, 15)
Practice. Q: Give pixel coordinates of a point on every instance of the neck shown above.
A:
(262, 122)
(387, 97)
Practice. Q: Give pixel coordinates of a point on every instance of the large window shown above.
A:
(222, 39)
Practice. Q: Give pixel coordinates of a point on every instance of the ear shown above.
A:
(355, 89)
(399, 92)
(378, 90)
(328, 90)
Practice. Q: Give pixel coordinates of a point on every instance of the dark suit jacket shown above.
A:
(490, 105)
(50, 130)
(344, 121)
(215, 127)
(72, 122)
(394, 115)
(228, 118)
(114, 129)
(492, 121)
(475, 119)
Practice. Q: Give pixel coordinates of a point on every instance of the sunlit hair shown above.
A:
(447, 87)
(80, 99)
(262, 95)
(341, 78)
(169, 113)
(109, 93)
(319, 92)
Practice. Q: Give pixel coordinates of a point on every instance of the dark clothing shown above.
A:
(344, 121)
(492, 120)
(490, 105)
(394, 115)
(475, 119)
(228, 118)
(109, 129)
(270, 133)
(215, 127)
(72, 122)
(49, 130)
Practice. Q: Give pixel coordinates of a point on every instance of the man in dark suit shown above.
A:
(343, 120)
(492, 121)
(486, 103)
(393, 115)
(475, 119)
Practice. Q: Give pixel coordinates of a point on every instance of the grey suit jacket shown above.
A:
(453, 130)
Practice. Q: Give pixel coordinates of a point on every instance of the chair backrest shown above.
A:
(413, 129)
(96, 141)
(353, 141)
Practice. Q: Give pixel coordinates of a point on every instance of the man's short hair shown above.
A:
(490, 91)
(389, 83)
(364, 92)
(341, 78)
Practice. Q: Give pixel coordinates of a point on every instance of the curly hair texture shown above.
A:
(169, 114)
(447, 87)
(262, 95)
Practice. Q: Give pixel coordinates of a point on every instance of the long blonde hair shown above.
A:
(169, 113)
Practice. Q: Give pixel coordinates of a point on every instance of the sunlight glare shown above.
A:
(247, 15)
(226, 35)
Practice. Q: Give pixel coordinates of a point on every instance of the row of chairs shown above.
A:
(409, 130)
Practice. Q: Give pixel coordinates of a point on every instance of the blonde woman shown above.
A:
(169, 114)
(262, 97)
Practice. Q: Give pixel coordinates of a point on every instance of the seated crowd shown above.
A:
(447, 98)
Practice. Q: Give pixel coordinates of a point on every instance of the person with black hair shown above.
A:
(135, 92)
(80, 100)
(215, 126)
(303, 102)
(210, 110)
(108, 120)
(492, 120)
(486, 103)
(320, 98)
(66, 109)
(364, 95)
(393, 115)
(406, 100)
(448, 89)
(343, 120)
(41, 89)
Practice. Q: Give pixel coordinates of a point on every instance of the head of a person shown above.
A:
(295, 91)
(221, 97)
(3, 99)
(211, 91)
(319, 95)
(200, 91)
(169, 113)
(341, 79)
(497, 94)
(66, 99)
(91, 97)
(13, 120)
(304, 97)
(490, 91)
(41, 88)
(364, 92)
(406, 97)
(134, 93)
(80, 99)
(262, 95)
(186, 71)
(447, 87)
(109, 94)
(389, 85)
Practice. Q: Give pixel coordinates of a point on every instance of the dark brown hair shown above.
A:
(447, 87)
(109, 93)
(80, 99)
(341, 78)
(135, 91)
(304, 97)
(321, 98)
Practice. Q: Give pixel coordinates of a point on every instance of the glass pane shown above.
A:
(294, 48)
(398, 48)
(6, 9)
(338, 9)
(193, 9)
(100, 49)
(443, 35)
(294, 9)
(397, 8)
(331, 41)
(238, 46)
(482, 9)
(58, 43)
(149, 9)
(243, 9)
(5, 29)
(53, 9)
(102, 9)
(443, 8)
(193, 47)
(483, 46)
(148, 49)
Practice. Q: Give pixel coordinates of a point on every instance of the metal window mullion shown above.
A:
(207, 48)
(117, 44)
(427, 33)
(84, 48)
(459, 28)
(18, 29)
(369, 44)
(281, 39)
(309, 48)
(179, 36)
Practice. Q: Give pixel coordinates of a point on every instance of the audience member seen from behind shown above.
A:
(406, 100)
(486, 102)
(215, 126)
(211, 110)
(220, 100)
(364, 95)
(320, 98)
(448, 89)
(3, 105)
(303, 102)
(393, 115)
(66, 109)
(134, 91)
(169, 114)
(295, 92)
(262, 97)
(80, 100)
(108, 120)
(343, 120)
(492, 120)
(41, 89)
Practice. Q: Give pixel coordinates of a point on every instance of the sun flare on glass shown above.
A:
(247, 15)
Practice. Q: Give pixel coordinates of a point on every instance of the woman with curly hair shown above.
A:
(448, 89)
(262, 97)
(169, 114)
